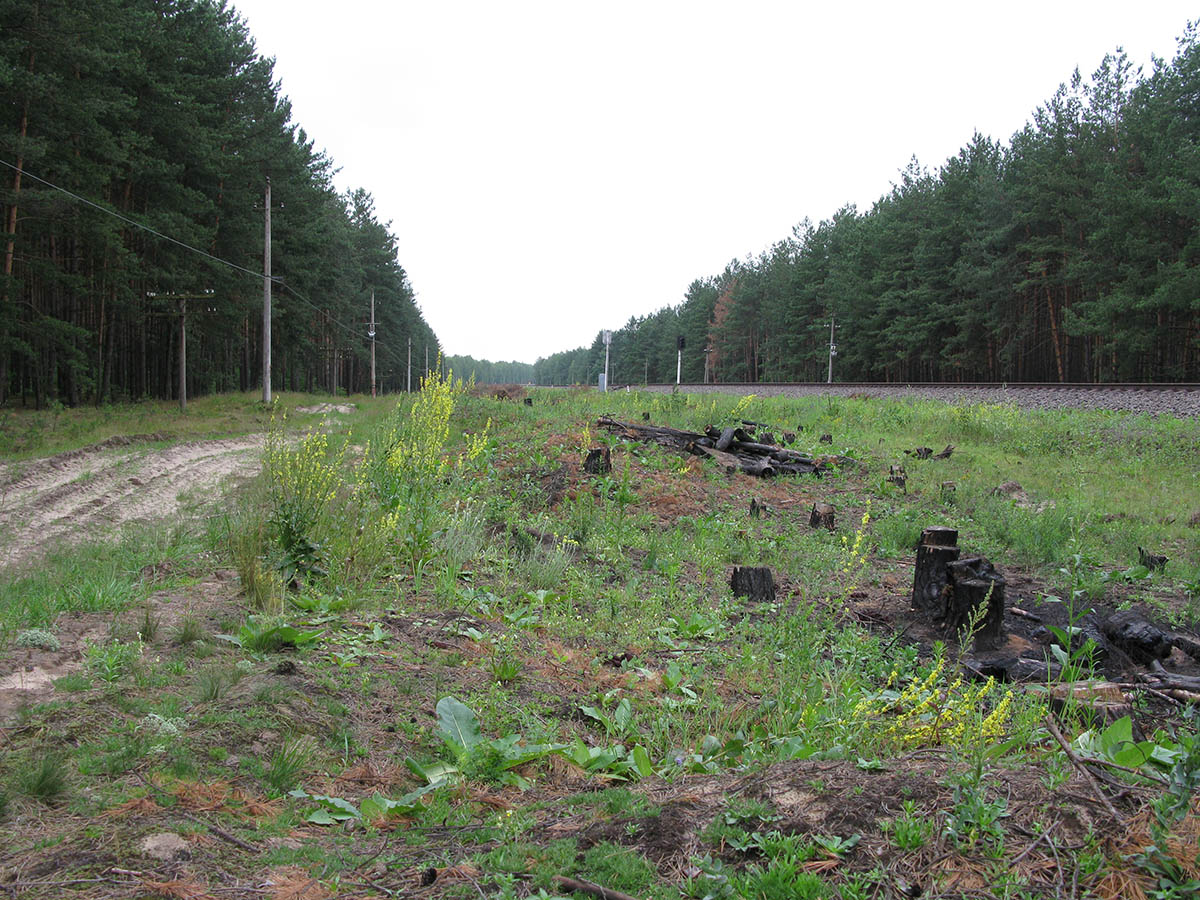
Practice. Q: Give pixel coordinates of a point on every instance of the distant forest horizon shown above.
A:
(1071, 253)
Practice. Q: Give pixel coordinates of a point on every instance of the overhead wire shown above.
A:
(166, 237)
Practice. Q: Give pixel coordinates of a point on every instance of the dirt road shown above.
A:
(97, 489)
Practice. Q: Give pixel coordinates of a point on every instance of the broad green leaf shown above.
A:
(1119, 732)
(339, 807)
(378, 806)
(796, 748)
(641, 761)
(593, 713)
(623, 715)
(998, 750)
(437, 772)
(458, 725)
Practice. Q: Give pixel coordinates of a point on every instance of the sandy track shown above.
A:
(97, 489)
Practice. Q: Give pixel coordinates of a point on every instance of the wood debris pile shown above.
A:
(733, 447)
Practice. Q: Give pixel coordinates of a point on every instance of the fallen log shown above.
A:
(1163, 678)
(1144, 641)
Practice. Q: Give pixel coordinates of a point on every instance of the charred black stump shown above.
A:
(755, 582)
(821, 516)
(938, 547)
(598, 462)
(975, 583)
(1144, 641)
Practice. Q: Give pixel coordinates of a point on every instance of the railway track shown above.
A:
(1181, 400)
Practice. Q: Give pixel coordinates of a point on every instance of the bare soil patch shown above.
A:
(27, 675)
(324, 409)
(99, 488)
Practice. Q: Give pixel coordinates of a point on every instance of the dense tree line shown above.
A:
(487, 372)
(1071, 254)
(163, 112)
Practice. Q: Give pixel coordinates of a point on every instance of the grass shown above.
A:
(28, 433)
(45, 778)
(786, 741)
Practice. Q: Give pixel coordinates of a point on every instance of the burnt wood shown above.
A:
(938, 547)
(821, 516)
(755, 582)
(598, 462)
(974, 582)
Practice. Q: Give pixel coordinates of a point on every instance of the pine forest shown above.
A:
(129, 128)
(1071, 254)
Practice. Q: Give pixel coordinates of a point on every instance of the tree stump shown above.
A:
(755, 582)
(645, 417)
(766, 438)
(1152, 561)
(974, 582)
(825, 439)
(598, 462)
(898, 477)
(759, 510)
(789, 438)
(938, 547)
(821, 516)
(529, 401)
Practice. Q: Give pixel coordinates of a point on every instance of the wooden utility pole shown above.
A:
(182, 355)
(408, 383)
(181, 310)
(371, 335)
(266, 351)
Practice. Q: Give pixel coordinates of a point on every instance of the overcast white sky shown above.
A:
(553, 168)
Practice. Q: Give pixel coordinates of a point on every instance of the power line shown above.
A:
(126, 219)
(166, 237)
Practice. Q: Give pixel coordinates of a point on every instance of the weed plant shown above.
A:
(45, 779)
(287, 765)
(615, 595)
(189, 631)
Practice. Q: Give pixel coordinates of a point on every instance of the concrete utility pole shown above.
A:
(679, 343)
(266, 352)
(607, 344)
(371, 335)
(832, 352)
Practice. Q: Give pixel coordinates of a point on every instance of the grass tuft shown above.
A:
(46, 777)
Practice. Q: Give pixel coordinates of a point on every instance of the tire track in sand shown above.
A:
(96, 490)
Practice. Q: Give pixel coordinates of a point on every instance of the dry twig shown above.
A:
(1087, 773)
